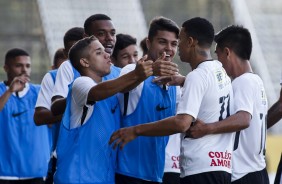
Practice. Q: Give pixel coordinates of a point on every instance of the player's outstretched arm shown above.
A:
(172, 125)
(233, 123)
(123, 83)
(174, 80)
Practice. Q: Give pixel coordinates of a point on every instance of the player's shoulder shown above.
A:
(66, 65)
(128, 68)
(83, 80)
(247, 80)
(34, 87)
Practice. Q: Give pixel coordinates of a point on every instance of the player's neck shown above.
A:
(243, 67)
(93, 76)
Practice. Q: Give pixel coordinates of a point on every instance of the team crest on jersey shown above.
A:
(222, 79)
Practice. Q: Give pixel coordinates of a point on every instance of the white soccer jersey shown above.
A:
(207, 95)
(64, 77)
(45, 93)
(249, 96)
(172, 152)
(80, 89)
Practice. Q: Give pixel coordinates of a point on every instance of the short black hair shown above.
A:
(201, 30)
(123, 41)
(93, 18)
(236, 38)
(162, 24)
(59, 55)
(80, 50)
(13, 53)
(73, 34)
(143, 46)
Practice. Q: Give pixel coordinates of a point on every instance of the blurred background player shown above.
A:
(25, 149)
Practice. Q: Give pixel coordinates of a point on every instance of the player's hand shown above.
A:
(197, 130)
(18, 83)
(161, 67)
(144, 68)
(174, 80)
(122, 137)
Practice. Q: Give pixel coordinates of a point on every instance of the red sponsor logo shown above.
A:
(175, 162)
(220, 159)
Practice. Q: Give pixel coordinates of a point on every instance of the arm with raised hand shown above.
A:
(17, 84)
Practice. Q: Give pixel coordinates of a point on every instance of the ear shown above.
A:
(148, 43)
(6, 68)
(227, 52)
(192, 42)
(84, 62)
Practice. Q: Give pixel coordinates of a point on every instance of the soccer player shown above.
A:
(24, 147)
(207, 94)
(91, 115)
(43, 114)
(125, 51)
(102, 27)
(234, 47)
(142, 161)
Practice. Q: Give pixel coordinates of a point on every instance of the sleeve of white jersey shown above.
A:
(80, 89)
(45, 93)
(193, 92)
(128, 68)
(63, 79)
(243, 95)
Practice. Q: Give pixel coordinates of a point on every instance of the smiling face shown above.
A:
(98, 60)
(164, 41)
(106, 33)
(126, 56)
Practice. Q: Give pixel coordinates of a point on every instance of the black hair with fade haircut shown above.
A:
(123, 41)
(237, 38)
(162, 24)
(93, 18)
(73, 34)
(13, 53)
(80, 50)
(201, 30)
